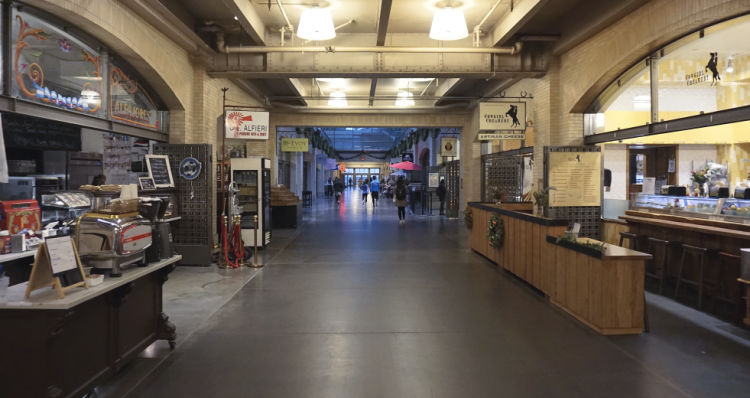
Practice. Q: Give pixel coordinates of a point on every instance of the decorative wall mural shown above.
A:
(37, 49)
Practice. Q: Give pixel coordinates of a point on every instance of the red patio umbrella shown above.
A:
(405, 166)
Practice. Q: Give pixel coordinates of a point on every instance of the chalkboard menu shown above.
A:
(147, 183)
(33, 133)
(159, 170)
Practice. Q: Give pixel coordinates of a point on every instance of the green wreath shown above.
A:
(496, 231)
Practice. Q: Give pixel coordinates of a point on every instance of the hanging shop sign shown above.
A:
(190, 168)
(576, 177)
(407, 157)
(342, 167)
(502, 116)
(448, 146)
(246, 125)
(295, 144)
(54, 68)
(129, 102)
(331, 164)
(508, 135)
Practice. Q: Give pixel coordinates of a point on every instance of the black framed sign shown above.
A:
(159, 170)
(147, 183)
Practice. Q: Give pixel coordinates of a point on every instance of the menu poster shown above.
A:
(159, 170)
(63, 260)
(576, 178)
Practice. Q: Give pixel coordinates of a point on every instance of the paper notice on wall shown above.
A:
(3, 158)
(576, 177)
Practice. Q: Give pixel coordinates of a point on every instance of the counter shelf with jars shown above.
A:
(720, 209)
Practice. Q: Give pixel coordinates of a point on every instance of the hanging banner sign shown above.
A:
(502, 116)
(509, 135)
(331, 164)
(247, 125)
(448, 146)
(130, 103)
(295, 145)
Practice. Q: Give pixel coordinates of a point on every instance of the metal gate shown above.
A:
(503, 172)
(450, 172)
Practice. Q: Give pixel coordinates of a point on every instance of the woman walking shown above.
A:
(399, 196)
(365, 187)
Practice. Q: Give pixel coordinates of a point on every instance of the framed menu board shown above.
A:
(159, 170)
(576, 178)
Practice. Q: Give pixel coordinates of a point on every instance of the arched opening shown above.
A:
(424, 158)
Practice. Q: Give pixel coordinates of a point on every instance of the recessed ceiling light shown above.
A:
(235, 18)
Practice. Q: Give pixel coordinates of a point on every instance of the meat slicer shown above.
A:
(109, 242)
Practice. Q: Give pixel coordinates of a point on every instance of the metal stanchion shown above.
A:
(255, 264)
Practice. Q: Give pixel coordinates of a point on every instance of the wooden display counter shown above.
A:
(52, 347)
(525, 251)
(602, 290)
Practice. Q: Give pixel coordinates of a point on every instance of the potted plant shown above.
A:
(498, 196)
(699, 178)
(541, 200)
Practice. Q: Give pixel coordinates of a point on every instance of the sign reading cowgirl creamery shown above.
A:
(247, 125)
(502, 116)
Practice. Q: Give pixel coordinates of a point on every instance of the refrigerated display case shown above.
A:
(252, 178)
(723, 209)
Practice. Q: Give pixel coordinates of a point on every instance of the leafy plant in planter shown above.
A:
(498, 195)
(572, 240)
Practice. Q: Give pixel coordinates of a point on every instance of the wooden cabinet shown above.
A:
(65, 347)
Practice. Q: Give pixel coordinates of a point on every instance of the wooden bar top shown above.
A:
(491, 207)
(687, 226)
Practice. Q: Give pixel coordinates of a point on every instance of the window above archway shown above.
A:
(704, 72)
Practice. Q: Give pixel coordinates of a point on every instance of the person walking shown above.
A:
(338, 187)
(441, 195)
(364, 187)
(399, 196)
(374, 191)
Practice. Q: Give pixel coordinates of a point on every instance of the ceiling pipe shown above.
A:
(289, 25)
(332, 49)
(478, 27)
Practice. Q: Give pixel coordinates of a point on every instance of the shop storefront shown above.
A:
(674, 136)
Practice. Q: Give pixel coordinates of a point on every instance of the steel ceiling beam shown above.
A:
(385, 16)
(248, 18)
(521, 12)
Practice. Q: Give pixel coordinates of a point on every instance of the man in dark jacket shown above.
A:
(338, 187)
(441, 195)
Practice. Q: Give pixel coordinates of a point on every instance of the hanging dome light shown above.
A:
(448, 23)
(404, 99)
(337, 99)
(316, 24)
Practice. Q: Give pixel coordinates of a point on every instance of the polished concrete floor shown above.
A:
(357, 305)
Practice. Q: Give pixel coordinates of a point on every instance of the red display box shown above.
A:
(20, 214)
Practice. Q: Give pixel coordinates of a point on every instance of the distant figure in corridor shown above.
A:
(364, 187)
(399, 197)
(374, 190)
(338, 187)
(441, 195)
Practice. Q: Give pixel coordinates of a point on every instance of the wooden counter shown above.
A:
(525, 251)
(717, 236)
(602, 290)
(52, 347)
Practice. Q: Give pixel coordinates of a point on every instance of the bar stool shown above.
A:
(725, 286)
(659, 262)
(694, 252)
(632, 237)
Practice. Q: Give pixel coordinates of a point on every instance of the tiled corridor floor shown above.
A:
(360, 306)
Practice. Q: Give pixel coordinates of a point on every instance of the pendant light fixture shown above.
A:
(449, 22)
(316, 24)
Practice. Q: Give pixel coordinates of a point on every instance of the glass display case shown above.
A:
(65, 205)
(723, 209)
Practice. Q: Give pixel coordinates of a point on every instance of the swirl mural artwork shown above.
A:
(29, 65)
